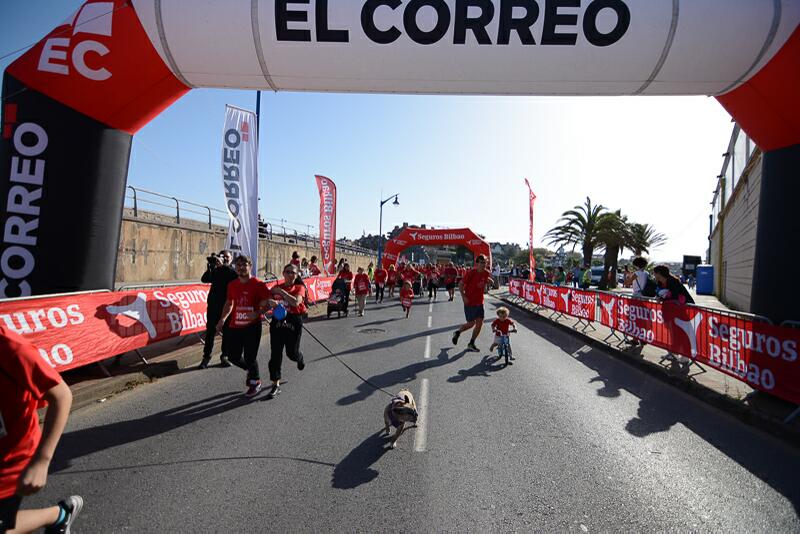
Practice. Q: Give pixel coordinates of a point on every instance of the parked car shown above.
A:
(597, 274)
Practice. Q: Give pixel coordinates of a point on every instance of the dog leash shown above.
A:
(324, 346)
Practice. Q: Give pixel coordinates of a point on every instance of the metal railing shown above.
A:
(151, 198)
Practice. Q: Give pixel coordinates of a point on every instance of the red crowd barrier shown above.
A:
(760, 354)
(77, 329)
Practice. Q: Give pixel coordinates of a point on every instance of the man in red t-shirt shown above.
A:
(363, 288)
(450, 274)
(471, 288)
(25, 451)
(381, 275)
(247, 299)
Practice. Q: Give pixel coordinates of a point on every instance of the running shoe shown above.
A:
(455, 337)
(72, 505)
(204, 363)
(253, 388)
(273, 392)
(472, 348)
(223, 361)
(301, 364)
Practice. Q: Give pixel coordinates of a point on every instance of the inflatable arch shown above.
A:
(411, 237)
(72, 103)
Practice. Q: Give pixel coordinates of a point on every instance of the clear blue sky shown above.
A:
(455, 161)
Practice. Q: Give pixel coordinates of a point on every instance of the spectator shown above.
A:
(363, 288)
(586, 277)
(371, 271)
(246, 300)
(642, 285)
(671, 287)
(472, 287)
(295, 259)
(219, 274)
(26, 380)
(340, 266)
(560, 278)
(285, 332)
(577, 275)
(304, 272)
(526, 273)
(313, 268)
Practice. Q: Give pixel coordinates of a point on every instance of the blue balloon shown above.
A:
(279, 312)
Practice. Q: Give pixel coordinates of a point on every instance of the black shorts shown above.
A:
(451, 286)
(8, 512)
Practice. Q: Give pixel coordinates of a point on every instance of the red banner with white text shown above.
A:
(762, 355)
(531, 259)
(327, 223)
(75, 330)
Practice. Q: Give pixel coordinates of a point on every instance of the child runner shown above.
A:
(363, 288)
(380, 281)
(501, 326)
(247, 299)
(391, 280)
(406, 297)
(25, 451)
(286, 332)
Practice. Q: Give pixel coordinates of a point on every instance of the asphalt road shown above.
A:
(568, 438)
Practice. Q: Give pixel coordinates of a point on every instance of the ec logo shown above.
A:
(93, 19)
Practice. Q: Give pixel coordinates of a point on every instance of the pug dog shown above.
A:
(401, 410)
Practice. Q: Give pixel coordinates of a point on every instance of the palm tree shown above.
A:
(644, 238)
(614, 235)
(578, 227)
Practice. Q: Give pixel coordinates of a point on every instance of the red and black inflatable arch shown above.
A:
(72, 102)
(429, 237)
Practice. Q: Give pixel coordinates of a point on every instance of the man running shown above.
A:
(471, 288)
(450, 275)
(247, 299)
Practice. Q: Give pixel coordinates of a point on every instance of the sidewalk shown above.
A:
(705, 383)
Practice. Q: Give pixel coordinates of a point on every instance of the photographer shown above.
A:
(218, 273)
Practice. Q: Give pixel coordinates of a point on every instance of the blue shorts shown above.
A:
(473, 312)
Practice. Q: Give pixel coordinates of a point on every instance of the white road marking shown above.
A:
(427, 347)
(430, 307)
(421, 438)
(430, 319)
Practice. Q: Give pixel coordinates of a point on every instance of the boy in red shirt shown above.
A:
(247, 300)
(501, 327)
(406, 297)
(363, 288)
(380, 281)
(472, 287)
(25, 451)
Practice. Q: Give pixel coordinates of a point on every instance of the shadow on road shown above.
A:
(356, 468)
(402, 375)
(661, 408)
(98, 438)
(489, 364)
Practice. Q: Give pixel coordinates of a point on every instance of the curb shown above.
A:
(738, 409)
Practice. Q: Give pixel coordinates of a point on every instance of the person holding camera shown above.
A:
(219, 273)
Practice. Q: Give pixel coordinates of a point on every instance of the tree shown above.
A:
(614, 235)
(578, 227)
(645, 238)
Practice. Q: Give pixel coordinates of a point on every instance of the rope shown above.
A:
(378, 388)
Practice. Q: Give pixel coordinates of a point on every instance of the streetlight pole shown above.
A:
(380, 226)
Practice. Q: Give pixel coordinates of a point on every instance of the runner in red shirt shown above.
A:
(363, 288)
(432, 277)
(380, 281)
(450, 275)
(247, 300)
(313, 268)
(391, 280)
(285, 332)
(406, 297)
(25, 451)
(347, 275)
(472, 287)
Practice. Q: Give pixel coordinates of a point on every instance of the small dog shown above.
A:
(400, 411)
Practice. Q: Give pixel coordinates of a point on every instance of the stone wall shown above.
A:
(154, 249)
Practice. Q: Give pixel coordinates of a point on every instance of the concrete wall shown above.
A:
(154, 249)
(733, 245)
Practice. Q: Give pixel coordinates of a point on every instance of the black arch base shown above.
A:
(776, 291)
(61, 199)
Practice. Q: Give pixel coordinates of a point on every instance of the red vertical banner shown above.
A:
(531, 259)
(327, 223)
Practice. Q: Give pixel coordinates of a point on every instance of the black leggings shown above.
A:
(286, 334)
(432, 287)
(245, 340)
(212, 317)
(378, 293)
